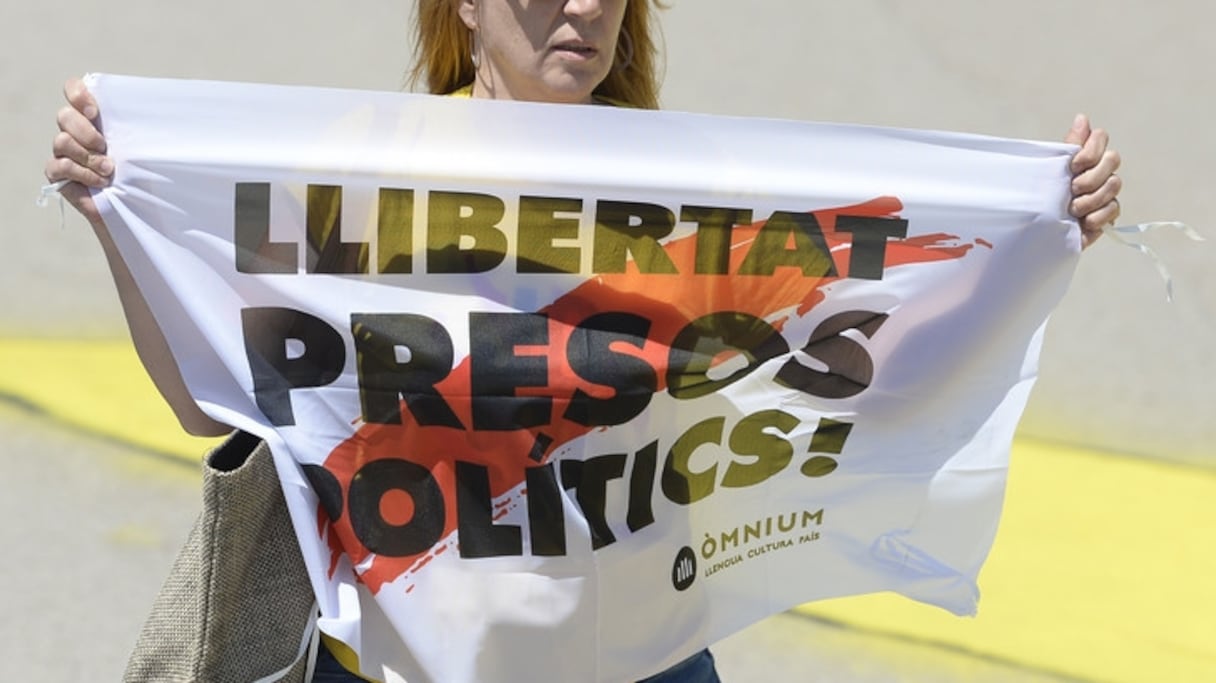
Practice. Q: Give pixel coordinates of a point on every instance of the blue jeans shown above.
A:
(698, 668)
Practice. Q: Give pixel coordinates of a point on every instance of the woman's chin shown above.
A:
(569, 86)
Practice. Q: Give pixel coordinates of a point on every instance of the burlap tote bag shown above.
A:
(237, 606)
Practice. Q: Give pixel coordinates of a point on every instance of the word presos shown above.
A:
(497, 369)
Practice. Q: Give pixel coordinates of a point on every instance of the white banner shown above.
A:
(571, 392)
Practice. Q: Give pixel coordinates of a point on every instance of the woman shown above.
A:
(571, 52)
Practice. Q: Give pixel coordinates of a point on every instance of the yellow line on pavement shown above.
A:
(95, 385)
(1104, 568)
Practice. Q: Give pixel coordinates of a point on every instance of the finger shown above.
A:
(62, 168)
(75, 124)
(1089, 181)
(1091, 152)
(78, 95)
(1092, 225)
(1086, 204)
(66, 146)
(1088, 237)
(1079, 131)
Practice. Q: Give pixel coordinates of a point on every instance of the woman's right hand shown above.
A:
(79, 151)
(79, 157)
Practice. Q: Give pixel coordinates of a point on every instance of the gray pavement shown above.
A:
(93, 526)
(91, 529)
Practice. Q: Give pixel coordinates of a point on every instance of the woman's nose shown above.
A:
(585, 9)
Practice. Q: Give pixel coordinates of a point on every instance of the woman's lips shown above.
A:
(576, 50)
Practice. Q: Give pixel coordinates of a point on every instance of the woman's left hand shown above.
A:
(1095, 187)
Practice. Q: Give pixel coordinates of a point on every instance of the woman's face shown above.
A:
(542, 50)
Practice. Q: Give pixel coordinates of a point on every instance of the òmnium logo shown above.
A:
(684, 571)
